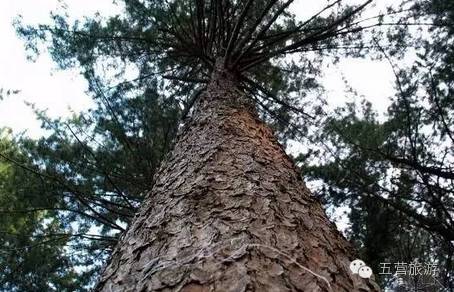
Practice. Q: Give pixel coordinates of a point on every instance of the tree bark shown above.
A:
(229, 212)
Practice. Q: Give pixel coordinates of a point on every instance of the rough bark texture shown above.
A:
(229, 212)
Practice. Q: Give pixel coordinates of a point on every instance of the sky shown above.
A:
(61, 92)
(39, 82)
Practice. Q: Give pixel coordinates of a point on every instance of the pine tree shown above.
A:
(228, 210)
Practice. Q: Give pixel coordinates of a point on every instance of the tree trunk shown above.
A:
(229, 212)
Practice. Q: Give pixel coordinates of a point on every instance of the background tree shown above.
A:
(30, 232)
(396, 174)
(88, 177)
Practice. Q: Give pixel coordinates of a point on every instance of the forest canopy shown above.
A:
(67, 197)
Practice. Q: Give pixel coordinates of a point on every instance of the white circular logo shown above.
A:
(365, 272)
(356, 265)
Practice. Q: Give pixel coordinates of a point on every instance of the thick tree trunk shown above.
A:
(229, 212)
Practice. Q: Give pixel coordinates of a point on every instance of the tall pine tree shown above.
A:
(228, 209)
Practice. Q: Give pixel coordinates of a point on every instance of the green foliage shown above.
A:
(394, 215)
(396, 175)
(179, 41)
(32, 256)
(145, 69)
(75, 190)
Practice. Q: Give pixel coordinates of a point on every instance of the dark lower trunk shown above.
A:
(229, 212)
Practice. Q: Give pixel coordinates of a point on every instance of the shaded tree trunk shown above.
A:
(229, 212)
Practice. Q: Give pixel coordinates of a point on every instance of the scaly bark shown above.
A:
(229, 212)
